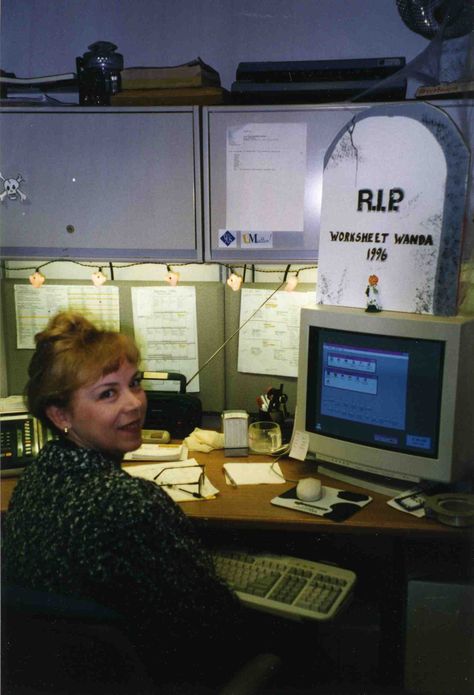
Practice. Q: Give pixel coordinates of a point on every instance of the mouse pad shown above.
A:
(336, 505)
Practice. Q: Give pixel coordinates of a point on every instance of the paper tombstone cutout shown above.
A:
(394, 192)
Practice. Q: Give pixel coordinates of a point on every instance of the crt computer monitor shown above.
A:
(388, 396)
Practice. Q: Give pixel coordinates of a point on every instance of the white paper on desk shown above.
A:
(417, 493)
(419, 513)
(178, 473)
(255, 473)
(158, 452)
(13, 404)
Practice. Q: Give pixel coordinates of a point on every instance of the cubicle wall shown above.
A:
(242, 389)
(218, 313)
(209, 300)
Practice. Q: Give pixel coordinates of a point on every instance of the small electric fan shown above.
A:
(451, 18)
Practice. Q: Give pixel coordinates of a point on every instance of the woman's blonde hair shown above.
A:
(70, 353)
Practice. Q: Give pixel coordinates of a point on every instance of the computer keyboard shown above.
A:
(287, 586)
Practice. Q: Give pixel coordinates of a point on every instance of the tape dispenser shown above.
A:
(453, 509)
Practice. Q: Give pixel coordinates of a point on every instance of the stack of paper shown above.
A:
(179, 96)
(12, 404)
(196, 73)
(158, 452)
(191, 83)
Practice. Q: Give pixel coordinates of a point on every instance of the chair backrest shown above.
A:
(54, 644)
(57, 645)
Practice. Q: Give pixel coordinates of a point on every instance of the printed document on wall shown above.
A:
(34, 307)
(165, 325)
(269, 342)
(266, 169)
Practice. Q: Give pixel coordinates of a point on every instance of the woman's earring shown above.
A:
(66, 431)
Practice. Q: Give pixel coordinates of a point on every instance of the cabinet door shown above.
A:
(261, 204)
(113, 184)
(263, 168)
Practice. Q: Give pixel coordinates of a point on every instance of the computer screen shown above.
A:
(388, 395)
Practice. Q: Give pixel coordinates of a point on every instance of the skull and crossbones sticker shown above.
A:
(11, 188)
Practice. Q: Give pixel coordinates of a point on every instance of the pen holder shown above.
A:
(273, 416)
(287, 429)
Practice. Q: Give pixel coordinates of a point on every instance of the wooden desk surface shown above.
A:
(248, 506)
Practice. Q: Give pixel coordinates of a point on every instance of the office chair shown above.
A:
(56, 645)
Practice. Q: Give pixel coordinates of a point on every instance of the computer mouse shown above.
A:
(309, 489)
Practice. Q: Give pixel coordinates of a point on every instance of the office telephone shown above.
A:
(21, 438)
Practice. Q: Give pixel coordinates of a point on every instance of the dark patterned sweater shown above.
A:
(79, 525)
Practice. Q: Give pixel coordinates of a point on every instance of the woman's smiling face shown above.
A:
(108, 414)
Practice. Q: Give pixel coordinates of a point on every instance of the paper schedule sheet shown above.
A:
(165, 326)
(34, 307)
(269, 342)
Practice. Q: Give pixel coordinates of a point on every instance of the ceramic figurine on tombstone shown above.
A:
(372, 293)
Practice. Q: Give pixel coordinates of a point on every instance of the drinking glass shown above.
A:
(264, 437)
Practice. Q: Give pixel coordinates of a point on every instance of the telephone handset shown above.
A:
(155, 436)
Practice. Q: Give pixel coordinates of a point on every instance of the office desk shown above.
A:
(248, 506)
(386, 548)
(383, 546)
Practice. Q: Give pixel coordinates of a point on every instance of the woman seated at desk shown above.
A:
(78, 525)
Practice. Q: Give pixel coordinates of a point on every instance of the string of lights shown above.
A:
(234, 280)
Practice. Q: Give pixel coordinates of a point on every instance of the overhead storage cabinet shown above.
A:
(117, 184)
(262, 163)
(272, 157)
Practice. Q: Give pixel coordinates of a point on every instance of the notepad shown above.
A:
(158, 452)
(254, 473)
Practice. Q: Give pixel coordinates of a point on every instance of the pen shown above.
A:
(229, 477)
(311, 506)
(197, 495)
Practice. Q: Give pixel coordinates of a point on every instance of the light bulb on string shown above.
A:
(171, 277)
(291, 283)
(37, 279)
(235, 281)
(98, 278)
